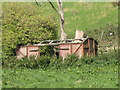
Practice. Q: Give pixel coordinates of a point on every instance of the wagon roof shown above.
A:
(90, 38)
(60, 42)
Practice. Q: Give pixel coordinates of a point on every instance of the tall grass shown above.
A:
(46, 62)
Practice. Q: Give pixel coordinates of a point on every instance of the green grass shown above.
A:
(84, 15)
(87, 72)
(87, 76)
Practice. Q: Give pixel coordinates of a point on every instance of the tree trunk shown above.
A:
(61, 12)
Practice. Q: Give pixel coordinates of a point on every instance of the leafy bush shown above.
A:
(48, 62)
(43, 62)
(23, 23)
(55, 62)
(108, 58)
(25, 62)
(71, 60)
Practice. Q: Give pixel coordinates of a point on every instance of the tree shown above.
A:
(116, 3)
(61, 14)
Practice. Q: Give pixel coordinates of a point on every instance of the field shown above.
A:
(85, 15)
(87, 76)
(92, 18)
(90, 72)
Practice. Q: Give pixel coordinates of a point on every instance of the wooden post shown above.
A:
(79, 34)
(102, 35)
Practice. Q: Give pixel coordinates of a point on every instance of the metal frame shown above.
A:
(59, 42)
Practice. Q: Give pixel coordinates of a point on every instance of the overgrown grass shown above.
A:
(45, 62)
(87, 76)
(87, 72)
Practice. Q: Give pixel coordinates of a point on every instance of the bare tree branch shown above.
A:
(60, 13)
(53, 7)
(50, 4)
(40, 4)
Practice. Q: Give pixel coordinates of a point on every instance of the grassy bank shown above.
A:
(87, 76)
(87, 72)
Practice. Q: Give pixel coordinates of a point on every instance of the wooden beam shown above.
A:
(88, 47)
(77, 48)
(94, 47)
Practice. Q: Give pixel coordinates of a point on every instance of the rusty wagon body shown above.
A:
(79, 47)
(87, 47)
(26, 51)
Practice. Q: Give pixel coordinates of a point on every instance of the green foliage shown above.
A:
(70, 60)
(47, 50)
(87, 76)
(24, 23)
(88, 16)
(43, 62)
(55, 63)
(48, 62)
(107, 38)
(46, 71)
(25, 62)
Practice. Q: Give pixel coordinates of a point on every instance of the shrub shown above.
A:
(25, 62)
(22, 25)
(71, 60)
(55, 62)
(48, 62)
(43, 62)
(87, 59)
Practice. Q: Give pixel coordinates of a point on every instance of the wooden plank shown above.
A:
(89, 47)
(21, 53)
(94, 47)
(77, 48)
(63, 48)
(27, 51)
